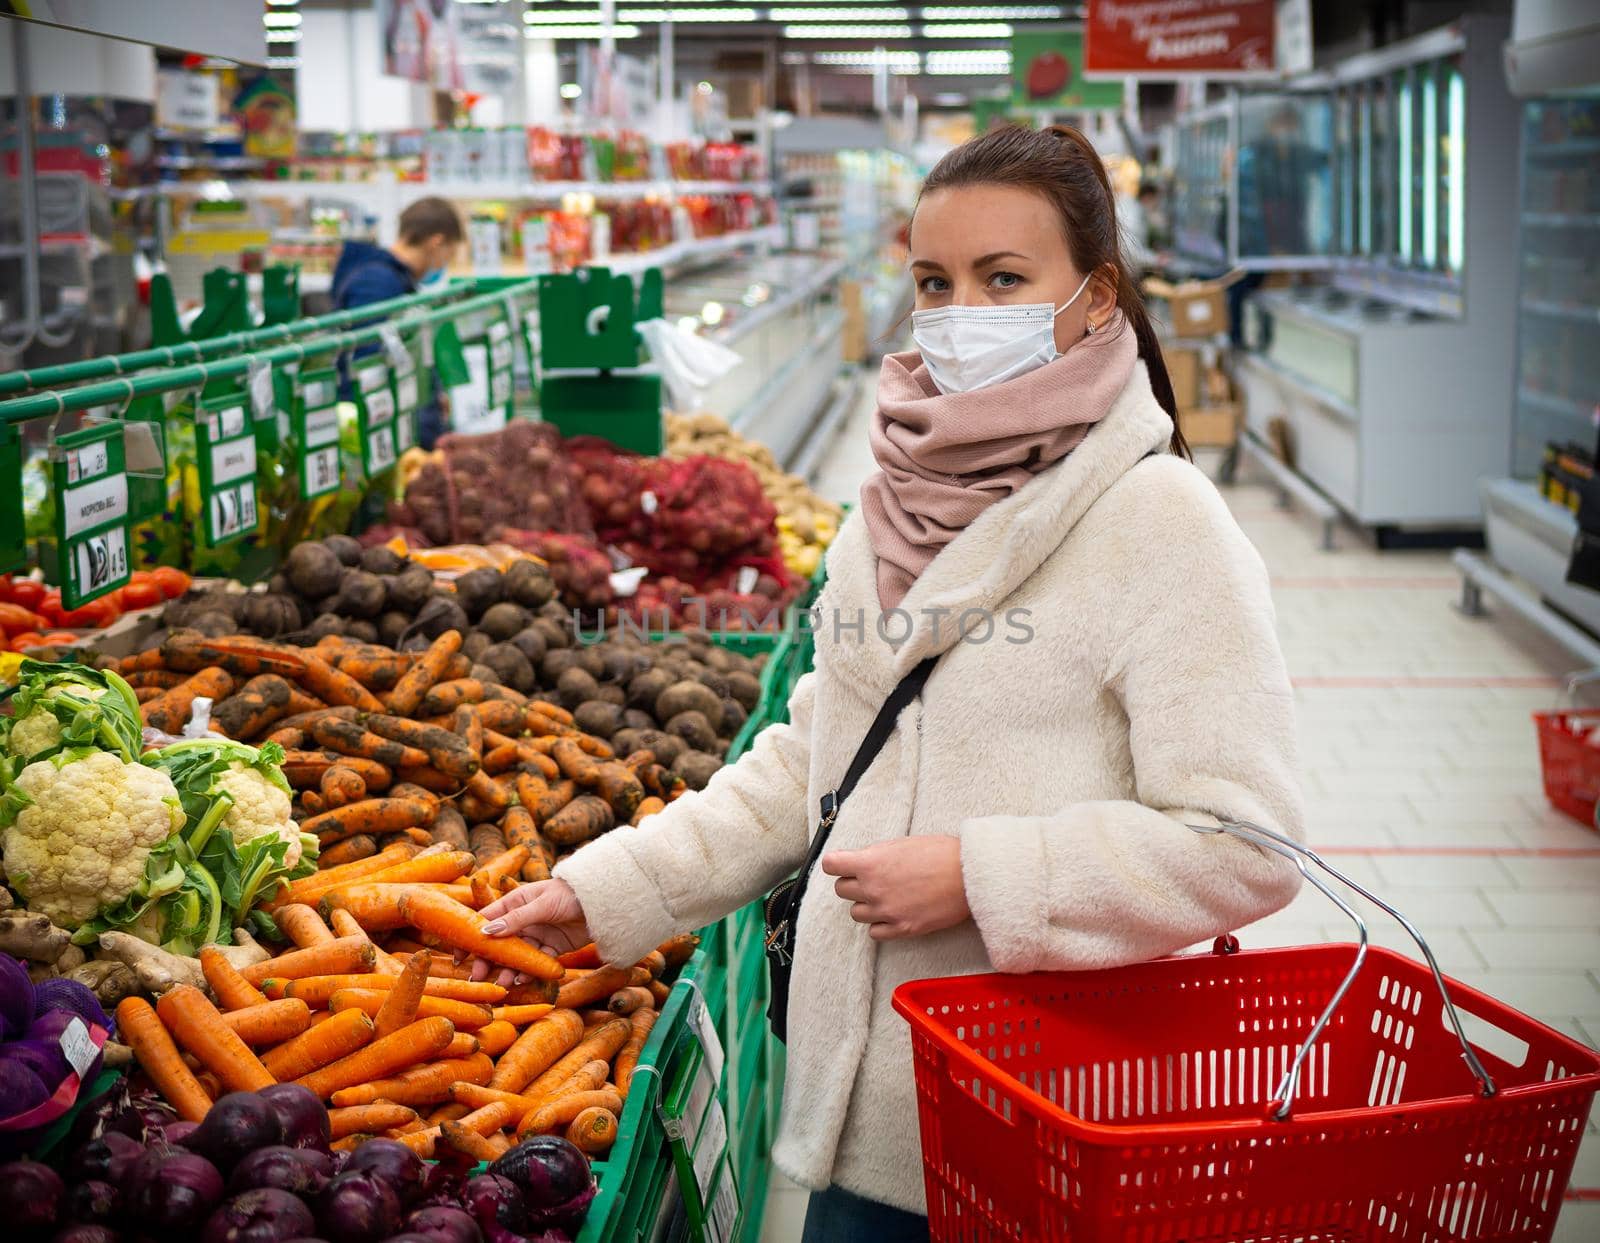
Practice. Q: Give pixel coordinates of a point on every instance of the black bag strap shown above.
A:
(908, 688)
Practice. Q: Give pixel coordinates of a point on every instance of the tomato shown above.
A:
(15, 617)
(172, 581)
(141, 595)
(92, 616)
(28, 592)
(30, 638)
(50, 606)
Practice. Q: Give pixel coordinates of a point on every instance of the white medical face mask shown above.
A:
(969, 347)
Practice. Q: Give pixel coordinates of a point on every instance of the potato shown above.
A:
(687, 696)
(511, 667)
(556, 663)
(346, 549)
(530, 643)
(744, 687)
(313, 569)
(598, 718)
(647, 687)
(504, 621)
(478, 589)
(476, 644)
(693, 727)
(696, 768)
(381, 559)
(666, 747)
(576, 686)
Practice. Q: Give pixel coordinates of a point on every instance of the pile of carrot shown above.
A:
(370, 1011)
(385, 747)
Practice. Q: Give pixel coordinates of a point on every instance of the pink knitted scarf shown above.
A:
(945, 458)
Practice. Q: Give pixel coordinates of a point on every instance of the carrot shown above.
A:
(559, 1112)
(536, 1050)
(594, 988)
(315, 990)
(141, 1030)
(446, 751)
(464, 1014)
(421, 838)
(503, 716)
(520, 1016)
(232, 990)
(679, 949)
(476, 1096)
(585, 817)
(311, 804)
(582, 768)
(460, 927)
(384, 964)
(487, 842)
(196, 1025)
(467, 725)
(170, 711)
(406, 697)
(585, 956)
(488, 792)
(429, 778)
(376, 668)
(322, 1044)
(590, 1077)
(400, 1006)
(147, 694)
(502, 758)
(449, 1113)
(302, 925)
(354, 739)
(496, 1037)
(658, 993)
(361, 846)
(602, 1044)
(341, 785)
(627, 1000)
(339, 956)
(449, 829)
(643, 1021)
(592, 1018)
(556, 798)
(371, 815)
(430, 867)
(315, 712)
(155, 679)
(409, 1046)
(427, 1084)
(424, 1143)
(238, 654)
(647, 807)
(593, 1131)
(445, 697)
(506, 863)
(251, 709)
(288, 737)
(477, 1147)
(309, 888)
(305, 768)
(462, 1044)
(368, 1119)
(533, 993)
(336, 687)
(655, 962)
(555, 712)
(270, 1023)
(141, 662)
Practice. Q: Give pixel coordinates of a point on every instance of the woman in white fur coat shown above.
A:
(1109, 674)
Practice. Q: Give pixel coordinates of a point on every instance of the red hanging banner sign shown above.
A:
(1161, 38)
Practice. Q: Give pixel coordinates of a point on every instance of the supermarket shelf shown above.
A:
(828, 426)
(1562, 310)
(697, 250)
(1554, 403)
(1478, 576)
(820, 279)
(223, 163)
(369, 191)
(1563, 219)
(1530, 539)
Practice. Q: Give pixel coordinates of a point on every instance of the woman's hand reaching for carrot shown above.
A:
(545, 913)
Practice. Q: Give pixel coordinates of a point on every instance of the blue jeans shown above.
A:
(840, 1216)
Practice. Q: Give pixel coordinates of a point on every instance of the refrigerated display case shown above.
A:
(1391, 385)
(1199, 186)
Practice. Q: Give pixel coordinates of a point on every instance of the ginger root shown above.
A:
(116, 1055)
(33, 937)
(71, 959)
(108, 980)
(245, 951)
(154, 968)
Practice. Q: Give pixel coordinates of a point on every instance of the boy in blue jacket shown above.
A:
(430, 233)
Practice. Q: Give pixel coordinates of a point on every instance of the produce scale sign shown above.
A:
(501, 364)
(1161, 38)
(1047, 74)
(375, 414)
(225, 446)
(13, 543)
(316, 432)
(407, 397)
(90, 481)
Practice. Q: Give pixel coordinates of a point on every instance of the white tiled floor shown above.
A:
(1421, 773)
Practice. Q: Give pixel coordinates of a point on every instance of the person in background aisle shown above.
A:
(430, 235)
(1108, 675)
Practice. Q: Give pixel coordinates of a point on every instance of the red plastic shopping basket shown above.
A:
(1141, 1104)
(1571, 762)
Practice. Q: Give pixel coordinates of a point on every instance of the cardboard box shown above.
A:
(1211, 427)
(853, 345)
(1194, 308)
(1183, 368)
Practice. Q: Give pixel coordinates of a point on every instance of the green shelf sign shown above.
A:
(90, 479)
(315, 425)
(13, 543)
(375, 414)
(225, 446)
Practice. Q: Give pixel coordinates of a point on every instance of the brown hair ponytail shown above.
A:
(1061, 164)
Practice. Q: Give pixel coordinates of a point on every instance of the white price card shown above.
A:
(322, 470)
(233, 510)
(380, 406)
(407, 388)
(380, 450)
(405, 431)
(233, 459)
(87, 462)
(100, 559)
(261, 395)
(724, 1213)
(322, 426)
(78, 1047)
(709, 1147)
(90, 504)
(706, 1030)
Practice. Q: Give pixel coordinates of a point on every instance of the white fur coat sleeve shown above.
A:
(1198, 673)
(707, 854)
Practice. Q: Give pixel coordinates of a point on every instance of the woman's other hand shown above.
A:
(545, 913)
(905, 888)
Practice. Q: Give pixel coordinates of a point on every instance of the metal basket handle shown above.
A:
(1300, 855)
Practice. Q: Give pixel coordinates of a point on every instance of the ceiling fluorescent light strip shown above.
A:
(568, 17)
(581, 32)
(847, 32)
(681, 15)
(968, 30)
(991, 12)
(874, 13)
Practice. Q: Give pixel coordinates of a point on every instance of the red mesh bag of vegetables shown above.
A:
(517, 477)
(711, 506)
(613, 483)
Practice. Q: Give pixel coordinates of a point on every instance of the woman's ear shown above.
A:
(1102, 293)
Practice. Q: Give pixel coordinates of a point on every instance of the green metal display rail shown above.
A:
(17, 382)
(126, 388)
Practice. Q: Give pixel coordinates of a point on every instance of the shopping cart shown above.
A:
(1264, 1096)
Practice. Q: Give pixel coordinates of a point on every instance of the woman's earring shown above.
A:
(1089, 327)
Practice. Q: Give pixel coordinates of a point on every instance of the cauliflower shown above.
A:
(36, 732)
(56, 707)
(259, 807)
(84, 831)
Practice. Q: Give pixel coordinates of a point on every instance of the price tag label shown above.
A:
(473, 409)
(315, 426)
(710, 1146)
(724, 1214)
(225, 447)
(90, 481)
(405, 431)
(375, 411)
(78, 1047)
(710, 1041)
